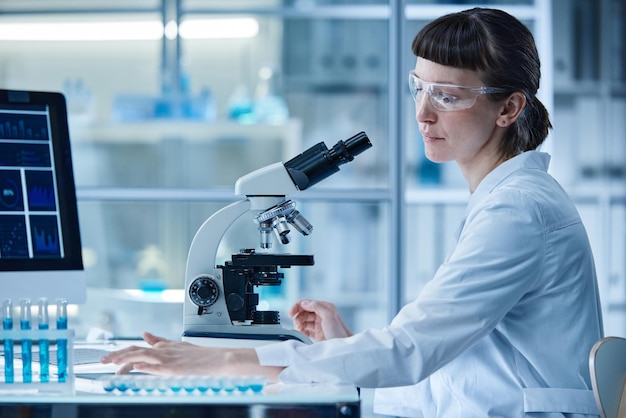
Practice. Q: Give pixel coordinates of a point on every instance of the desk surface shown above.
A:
(91, 401)
(276, 401)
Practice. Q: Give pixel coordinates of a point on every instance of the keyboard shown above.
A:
(81, 355)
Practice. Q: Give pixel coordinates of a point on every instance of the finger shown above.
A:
(325, 310)
(303, 318)
(306, 330)
(306, 321)
(131, 354)
(125, 369)
(153, 339)
(299, 325)
(150, 368)
(295, 308)
(313, 305)
(114, 355)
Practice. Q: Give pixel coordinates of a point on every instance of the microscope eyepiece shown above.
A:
(345, 151)
(318, 162)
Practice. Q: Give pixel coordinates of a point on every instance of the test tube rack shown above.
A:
(60, 379)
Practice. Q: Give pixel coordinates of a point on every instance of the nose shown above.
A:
(424, 111)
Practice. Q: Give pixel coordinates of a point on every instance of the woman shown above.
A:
(505, 326)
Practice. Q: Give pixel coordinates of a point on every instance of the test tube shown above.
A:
(44, 343)
(27, 343)
(61, 342)
(7, 324)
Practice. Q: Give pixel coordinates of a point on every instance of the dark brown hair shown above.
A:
(502, 51)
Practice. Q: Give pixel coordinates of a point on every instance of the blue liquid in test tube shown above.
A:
(27, 343)
(62, 343)
(44, 343)
(7, 324)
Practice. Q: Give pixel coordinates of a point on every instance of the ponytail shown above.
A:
(529, 130)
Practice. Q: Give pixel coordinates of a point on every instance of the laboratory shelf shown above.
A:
(348, 12)
(178, 194)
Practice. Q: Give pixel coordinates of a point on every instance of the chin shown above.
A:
(437, 158)
(437, 153)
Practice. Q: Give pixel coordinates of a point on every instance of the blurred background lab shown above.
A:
(171, 101)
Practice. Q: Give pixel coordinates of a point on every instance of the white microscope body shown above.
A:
(220, 303)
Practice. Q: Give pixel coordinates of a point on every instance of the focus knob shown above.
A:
(204, 291)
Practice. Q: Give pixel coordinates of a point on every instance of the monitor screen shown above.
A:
(40, 248)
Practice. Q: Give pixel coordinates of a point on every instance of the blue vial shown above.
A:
(176, 385)
(7, 324)
(242, 383)
(190, 383)
(27, 343)
(61, 342)
(107, 383)
(44, 343)
(256, 383)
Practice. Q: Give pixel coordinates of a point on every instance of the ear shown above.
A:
(512, 109)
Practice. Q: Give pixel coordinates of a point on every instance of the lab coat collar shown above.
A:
(527, 160)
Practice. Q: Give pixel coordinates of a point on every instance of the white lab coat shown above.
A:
(503, 329)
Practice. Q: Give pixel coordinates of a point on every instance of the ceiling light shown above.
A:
(171, 30)
(129, 30)
(218, 28)
(81, 31)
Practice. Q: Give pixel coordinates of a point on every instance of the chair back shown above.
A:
(607, 366)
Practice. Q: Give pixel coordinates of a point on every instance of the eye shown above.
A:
(444, 98)
(417, 86)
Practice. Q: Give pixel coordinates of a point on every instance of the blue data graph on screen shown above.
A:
(23, 126)
(40, 189)
(45, 236)
(18, 154)
(10, 191)
(13, 239)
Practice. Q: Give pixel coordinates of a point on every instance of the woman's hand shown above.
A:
(167, 357)
(318, 320)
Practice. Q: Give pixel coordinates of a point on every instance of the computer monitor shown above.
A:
(40, 247)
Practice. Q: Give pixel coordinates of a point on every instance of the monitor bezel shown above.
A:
(71, 264)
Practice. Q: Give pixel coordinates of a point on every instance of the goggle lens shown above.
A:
(447, 97)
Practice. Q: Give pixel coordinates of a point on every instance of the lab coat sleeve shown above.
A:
(498, 258)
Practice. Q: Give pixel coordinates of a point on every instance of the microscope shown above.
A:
(220, 308)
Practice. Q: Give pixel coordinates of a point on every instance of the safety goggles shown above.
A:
(447, 97)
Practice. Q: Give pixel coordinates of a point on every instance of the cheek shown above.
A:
(478, 125)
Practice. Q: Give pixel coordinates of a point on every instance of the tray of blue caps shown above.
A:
(132, 384)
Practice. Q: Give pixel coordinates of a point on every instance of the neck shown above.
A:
(475, 172)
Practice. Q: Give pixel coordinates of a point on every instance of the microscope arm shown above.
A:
(263, 188)
(201, 259)
(202, 254)
(271, 180)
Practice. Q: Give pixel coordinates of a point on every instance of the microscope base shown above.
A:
(243, 336)
(226, 342)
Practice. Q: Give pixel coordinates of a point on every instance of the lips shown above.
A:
(430, 138)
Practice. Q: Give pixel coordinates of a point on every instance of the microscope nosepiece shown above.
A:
(278, 218)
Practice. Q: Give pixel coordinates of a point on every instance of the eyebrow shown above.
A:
(437, 82)
(450, 83)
